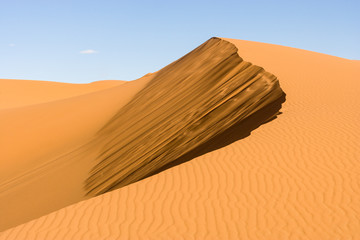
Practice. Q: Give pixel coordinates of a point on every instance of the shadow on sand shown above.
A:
(237, 132)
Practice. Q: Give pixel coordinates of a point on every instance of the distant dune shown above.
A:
(19, 93)
(201, 146)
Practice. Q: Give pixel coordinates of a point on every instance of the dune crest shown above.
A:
(186, 104)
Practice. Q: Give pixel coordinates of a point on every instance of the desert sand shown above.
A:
(287, 171)
(40, 171)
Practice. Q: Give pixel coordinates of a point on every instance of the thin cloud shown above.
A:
(11, 45)
(88, 51)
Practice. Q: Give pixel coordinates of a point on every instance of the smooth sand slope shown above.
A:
(41, 170)
(295, 177)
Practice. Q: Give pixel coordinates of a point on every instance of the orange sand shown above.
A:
(295, 177)
(36, 142)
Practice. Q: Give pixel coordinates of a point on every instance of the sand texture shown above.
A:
(258, 174)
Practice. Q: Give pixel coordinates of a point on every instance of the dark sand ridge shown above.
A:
(186, 104)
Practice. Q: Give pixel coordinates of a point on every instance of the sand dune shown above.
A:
(19, 93)
(184, 106)
(295, 177)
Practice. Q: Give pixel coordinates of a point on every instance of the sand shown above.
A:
(41, 170)
(294, 177)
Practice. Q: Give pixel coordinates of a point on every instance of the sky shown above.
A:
(81, 41)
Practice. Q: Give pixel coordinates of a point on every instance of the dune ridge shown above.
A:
(186, 104)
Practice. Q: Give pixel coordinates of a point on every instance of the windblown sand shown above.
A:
(294, 177)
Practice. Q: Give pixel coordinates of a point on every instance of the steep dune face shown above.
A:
(184, 106)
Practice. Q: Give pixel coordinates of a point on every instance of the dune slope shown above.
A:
(293, 178)
(185, 105)
(42, 164)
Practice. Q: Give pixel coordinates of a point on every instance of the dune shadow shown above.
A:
(238, 131)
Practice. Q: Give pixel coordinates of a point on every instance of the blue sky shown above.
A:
(82, 41)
